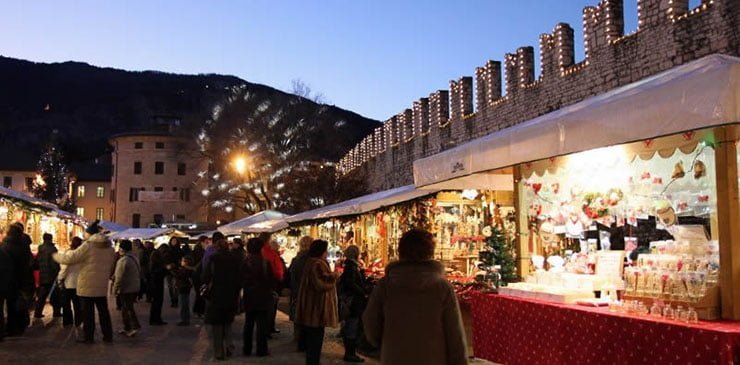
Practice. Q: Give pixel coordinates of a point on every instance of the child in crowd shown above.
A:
(183, 275)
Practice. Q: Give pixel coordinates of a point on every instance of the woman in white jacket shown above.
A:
(67, 280)
(96, 259)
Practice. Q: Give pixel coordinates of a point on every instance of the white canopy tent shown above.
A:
(363, 204)
(238, 226)
(270, 226)
(113, 227)
(145, 233)
(696, 95)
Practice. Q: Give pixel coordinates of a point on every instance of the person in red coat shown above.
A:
(273, 257)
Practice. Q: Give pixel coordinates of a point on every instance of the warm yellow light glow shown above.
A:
(240, 165)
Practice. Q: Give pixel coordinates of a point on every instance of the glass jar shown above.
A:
(691, 316)
(669, 313)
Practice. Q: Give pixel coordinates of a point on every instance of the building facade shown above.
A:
(93, 199)
(18, 180)
(155, 180)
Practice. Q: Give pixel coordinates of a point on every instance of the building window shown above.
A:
(185, 194)
(81, 211)
(137, 168)
(100, 192)
(136, 220)
(159, 168)
(81, 191)
(159, 145)
(174, 189)
(138, 145)
(29, 183)
(181, 168)
(158, 219)
(133, 194)
(180, 217)
(99, 213)
(8, 181)
(158, 188)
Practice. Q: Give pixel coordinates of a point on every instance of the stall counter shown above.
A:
(522, 331)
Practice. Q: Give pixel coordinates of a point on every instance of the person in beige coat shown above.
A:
(316, 307)
(97, 259)
(413, 314)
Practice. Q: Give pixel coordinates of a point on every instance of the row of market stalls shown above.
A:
(648, 168)
(38, 217)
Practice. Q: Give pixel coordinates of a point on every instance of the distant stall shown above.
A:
(38, 217)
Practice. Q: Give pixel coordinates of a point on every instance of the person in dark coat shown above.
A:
(20, 293)
(146, 257)
(157, 273)
(295, 271)
(183, 275)
(173, 258)
(352, 296)
(258, 283)
(48, 271)
(223, 301)
(6, 279)
(199, 305)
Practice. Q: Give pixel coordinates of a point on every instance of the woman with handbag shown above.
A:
(352, 301)
(221, 289)
(317, 300)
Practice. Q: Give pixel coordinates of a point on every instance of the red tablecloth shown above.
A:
(518, 331)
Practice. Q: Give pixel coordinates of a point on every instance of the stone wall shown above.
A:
(668, 34)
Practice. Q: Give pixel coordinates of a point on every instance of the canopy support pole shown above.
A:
(728, 210)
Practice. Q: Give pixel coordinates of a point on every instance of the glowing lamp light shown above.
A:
(469, 194)
(240, 165)
(39, 181)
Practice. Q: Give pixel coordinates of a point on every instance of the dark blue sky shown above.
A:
(372, 57)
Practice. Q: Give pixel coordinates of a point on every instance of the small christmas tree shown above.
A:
(499, 251)
(52, 180)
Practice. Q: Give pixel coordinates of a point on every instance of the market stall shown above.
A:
(38, 217)
(621, 202)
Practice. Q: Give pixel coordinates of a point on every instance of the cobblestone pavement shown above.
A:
(47, 342)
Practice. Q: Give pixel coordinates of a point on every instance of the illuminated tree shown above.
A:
(272, 154)
(52, 179)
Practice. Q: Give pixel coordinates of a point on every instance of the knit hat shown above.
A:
(94, 227)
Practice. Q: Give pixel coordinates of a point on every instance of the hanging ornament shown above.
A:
(700, 169)
(678, 171)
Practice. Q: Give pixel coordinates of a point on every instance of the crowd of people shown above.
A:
(411, 314)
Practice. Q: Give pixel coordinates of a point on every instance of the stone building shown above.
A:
(669, 34)
(91, 188)
(18, 179)
(154, 180)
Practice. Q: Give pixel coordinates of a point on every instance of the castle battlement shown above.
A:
(668, 34)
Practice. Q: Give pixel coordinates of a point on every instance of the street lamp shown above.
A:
(240, 165)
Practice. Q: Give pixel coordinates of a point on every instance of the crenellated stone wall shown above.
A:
(669, 34)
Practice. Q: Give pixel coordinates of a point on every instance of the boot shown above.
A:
(349, 352)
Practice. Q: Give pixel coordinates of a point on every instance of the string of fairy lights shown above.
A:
(601, 23)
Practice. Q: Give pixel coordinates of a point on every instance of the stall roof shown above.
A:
(113, 227)
(363, 204)
(52, 209)
(19, 196)
(696, 95)
(145, 233)
(236, 227)
(270, 226)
